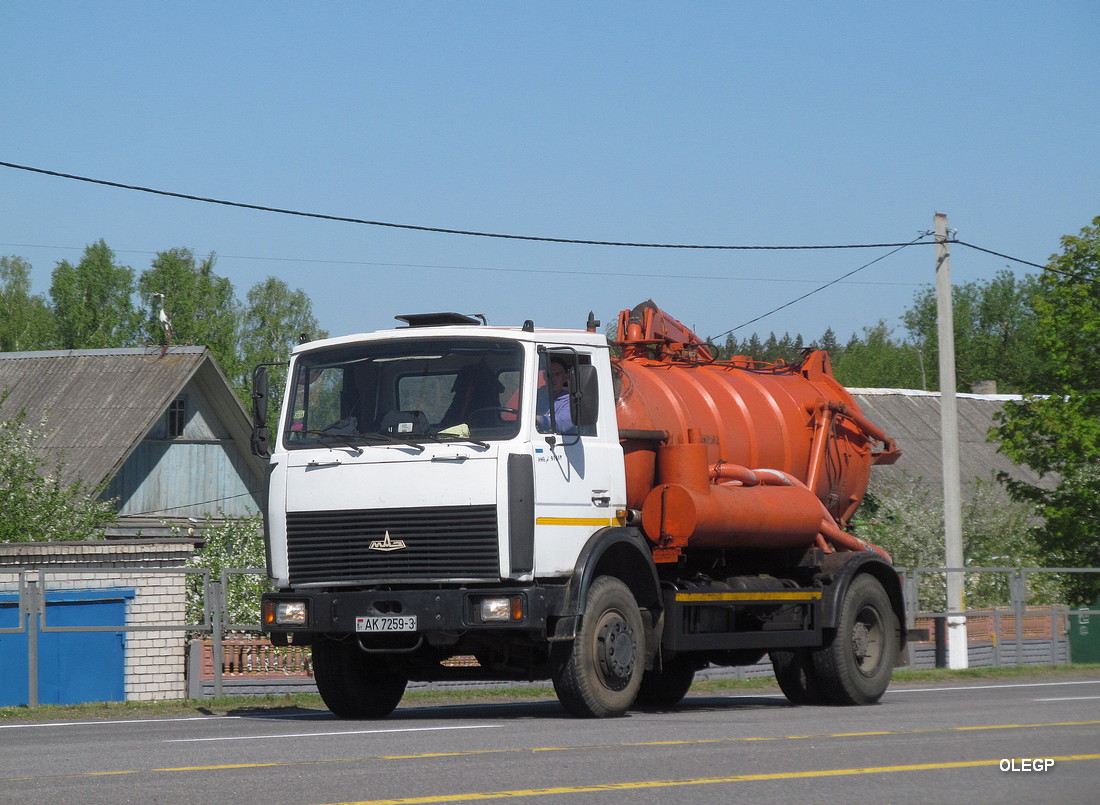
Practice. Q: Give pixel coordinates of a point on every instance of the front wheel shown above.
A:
(602, 670)
(354, 684)
(855, 668)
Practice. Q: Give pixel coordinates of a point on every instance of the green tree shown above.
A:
(92, 301)
(771, 349)
(275, 318)
(785, 349)
(995, 332)
(829, 343)
(201, 306)
(25, 319)
(1059, 434)
(878, 360)
(34, 505)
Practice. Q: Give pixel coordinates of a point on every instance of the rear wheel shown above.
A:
(354, 684)
(602, 670)
(855, 668)
(667, 687)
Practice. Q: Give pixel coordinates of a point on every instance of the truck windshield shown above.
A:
(410, 391)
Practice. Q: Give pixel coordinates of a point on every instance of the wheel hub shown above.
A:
(616, 652)
(866, 641)
(860, 641)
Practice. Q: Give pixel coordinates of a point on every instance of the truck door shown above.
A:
(577, 467)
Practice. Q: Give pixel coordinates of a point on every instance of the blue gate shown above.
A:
(73, 666)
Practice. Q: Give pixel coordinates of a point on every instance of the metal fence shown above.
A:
(1003, 633)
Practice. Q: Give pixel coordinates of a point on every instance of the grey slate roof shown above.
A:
(912, 418)
(100, 403)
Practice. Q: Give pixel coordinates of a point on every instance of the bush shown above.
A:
(34, 505)
(905, 517)
(233, 542)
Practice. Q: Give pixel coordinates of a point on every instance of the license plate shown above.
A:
(386, 623)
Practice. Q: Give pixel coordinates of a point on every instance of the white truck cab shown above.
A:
(427, 454)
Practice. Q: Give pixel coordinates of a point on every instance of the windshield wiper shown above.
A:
(343, 438)
(453, 437)
(413, 439)
(385, 437)
(348, 440)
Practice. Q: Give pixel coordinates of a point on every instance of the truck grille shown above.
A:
(441, 542)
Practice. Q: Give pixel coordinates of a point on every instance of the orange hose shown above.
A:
(829, 529)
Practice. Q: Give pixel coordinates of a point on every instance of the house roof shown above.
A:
(98, 404)
(912, 418)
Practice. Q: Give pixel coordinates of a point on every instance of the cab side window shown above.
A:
(565, 379)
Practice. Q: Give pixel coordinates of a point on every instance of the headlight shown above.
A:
(286, 613)
(501, 610)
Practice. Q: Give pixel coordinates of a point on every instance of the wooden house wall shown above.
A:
(200, 423)
(201, 472)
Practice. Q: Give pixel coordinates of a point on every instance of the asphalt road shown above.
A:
(971, 743)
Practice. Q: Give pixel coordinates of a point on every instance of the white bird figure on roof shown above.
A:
(164, 319)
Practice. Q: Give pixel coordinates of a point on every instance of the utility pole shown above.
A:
(957, 646)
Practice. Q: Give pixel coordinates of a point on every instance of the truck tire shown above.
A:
(796, 675)
(354, 684)
(667, 687)
(601, 671)
(856, 666)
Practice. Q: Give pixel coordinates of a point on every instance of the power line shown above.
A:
(574, 241)
(1051, 269)
(513, 270)
(196, 503)
(505, 269)
(823, 287)
(436, 229)
(998, 254)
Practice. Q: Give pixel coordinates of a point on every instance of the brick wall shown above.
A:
(155, 659)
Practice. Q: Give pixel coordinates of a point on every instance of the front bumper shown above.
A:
(446, 610)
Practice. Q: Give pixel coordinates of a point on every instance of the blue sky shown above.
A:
(739, 123)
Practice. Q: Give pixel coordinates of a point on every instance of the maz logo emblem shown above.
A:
(387, 544)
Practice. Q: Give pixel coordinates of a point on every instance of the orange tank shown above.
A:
(737, 453)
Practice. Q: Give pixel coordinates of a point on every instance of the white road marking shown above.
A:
(106, 723)
(332, 733)
(159, 720)
(992, 687)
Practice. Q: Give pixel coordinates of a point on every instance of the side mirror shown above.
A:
(586, 396)
(260, 382)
